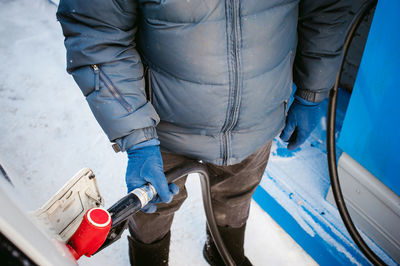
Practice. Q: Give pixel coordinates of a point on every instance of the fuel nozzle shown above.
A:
(91, 233)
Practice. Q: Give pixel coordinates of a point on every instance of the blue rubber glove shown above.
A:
(145, 166)
(303, 117)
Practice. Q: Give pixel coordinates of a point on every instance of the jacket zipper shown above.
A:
(234, 109)
(149, 88)
(110, 86)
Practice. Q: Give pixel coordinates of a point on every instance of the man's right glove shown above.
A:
(145, 166)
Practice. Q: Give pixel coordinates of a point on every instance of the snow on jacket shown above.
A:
(220, 72)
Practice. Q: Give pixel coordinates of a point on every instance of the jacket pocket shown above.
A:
(100, 75)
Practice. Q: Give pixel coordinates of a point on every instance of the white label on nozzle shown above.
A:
(145, 194)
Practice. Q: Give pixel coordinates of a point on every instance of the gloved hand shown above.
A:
(303, 117)
(145, 166)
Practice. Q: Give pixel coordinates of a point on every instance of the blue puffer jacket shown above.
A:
(220, 72)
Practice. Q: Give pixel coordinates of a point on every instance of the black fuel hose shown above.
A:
(331, 144)
(199, 168)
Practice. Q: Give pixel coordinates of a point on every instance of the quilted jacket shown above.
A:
(219, 73)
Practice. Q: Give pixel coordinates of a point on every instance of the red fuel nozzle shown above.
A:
(91, 233)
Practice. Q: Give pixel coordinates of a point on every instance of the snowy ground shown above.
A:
(48, 133)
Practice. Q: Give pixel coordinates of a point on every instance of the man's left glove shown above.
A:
(145, 166)
(303, 117)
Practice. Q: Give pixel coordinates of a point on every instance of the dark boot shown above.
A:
(155, 254)
(233, 239)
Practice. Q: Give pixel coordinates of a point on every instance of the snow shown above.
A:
(299, 181)
(48, 133)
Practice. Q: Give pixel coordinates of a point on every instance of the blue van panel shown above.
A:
(371, 129)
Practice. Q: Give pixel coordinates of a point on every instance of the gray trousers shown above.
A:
(231, 190)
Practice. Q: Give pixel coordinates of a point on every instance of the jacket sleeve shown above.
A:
(321, 30)
(101, 56)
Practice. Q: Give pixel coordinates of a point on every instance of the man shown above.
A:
(219, 76)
